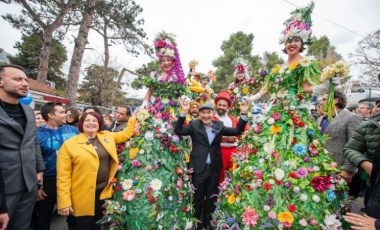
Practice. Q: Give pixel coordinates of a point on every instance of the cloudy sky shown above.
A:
(202, 25)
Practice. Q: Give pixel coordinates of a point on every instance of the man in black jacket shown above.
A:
(205, 156)
(4, 218)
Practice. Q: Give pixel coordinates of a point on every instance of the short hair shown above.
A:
(342, 99)
(48, 107)
(96, 109)
(2, 68)
(96, 115)
(127, 108)
(369, 104)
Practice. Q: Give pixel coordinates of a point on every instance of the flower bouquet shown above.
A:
(339, 69)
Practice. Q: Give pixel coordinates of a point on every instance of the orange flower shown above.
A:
(133, 153)
(275, 129)
(285, 217)
(231, 199)
(293, 65)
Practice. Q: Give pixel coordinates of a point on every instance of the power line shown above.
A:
(327, 20)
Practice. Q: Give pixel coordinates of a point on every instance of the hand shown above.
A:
(367, 167)
(65, 211)
(4, 219)
(336, 81)
(244, 106)
(41, 194)
(347, 176)
(40, 177)
(144, 104)
(185, 103)
(360, 222)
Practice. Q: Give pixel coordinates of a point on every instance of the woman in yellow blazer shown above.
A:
(86, 165)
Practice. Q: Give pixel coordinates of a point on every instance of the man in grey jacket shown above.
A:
(20, 155)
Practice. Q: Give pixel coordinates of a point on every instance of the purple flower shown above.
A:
(287, 184)
(136, 163)
(175, 138)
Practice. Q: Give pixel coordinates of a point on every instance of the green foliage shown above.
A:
(28, 57)
(238, 45)
(144, 70)
(97, 87)
(273, 59)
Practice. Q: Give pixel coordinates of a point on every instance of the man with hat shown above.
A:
(228, 145)
(193, 112)
(206, 135)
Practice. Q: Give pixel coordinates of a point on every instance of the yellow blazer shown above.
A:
(77, 168)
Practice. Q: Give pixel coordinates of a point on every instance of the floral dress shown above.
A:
(153, 188)
(249, 86)
(283, 177)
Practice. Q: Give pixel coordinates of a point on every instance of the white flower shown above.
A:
(142, 151)
(279, 174)
(127, 184)
(266, 208)
(296, 189)
(303, 197)
(286, 163)
(316, 168)
(261, 160)
(268, 147)
(331, 223)
(189, 225)
(149, 136)
(270, 120)
(156, 184)
(165, 101)
(163, 130)
(305, 62)
(282, 69)
(236, 90)
(303, 222)
(316, 198)
(169, 52)
(271, 181)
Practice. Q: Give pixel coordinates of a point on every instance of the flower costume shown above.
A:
(153, 189)
(247, 86)
(283, 177)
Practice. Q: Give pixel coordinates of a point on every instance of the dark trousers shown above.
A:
(20, 209)
(44, 208)
(88, 222)
(206, 191)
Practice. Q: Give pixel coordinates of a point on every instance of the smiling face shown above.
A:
(240, 76)
(221, 107)
(293, 45)
(206, 116)
(90, 125)
(166, 64)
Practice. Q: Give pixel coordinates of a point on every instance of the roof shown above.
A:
(41, 87)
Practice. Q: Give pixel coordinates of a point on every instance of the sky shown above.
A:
(202, 25)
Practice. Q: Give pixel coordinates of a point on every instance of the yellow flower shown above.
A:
(275, 129)
(234, 166)
(186, 158)
(244, 90)
(293, 65)
(276, 69)
(231, 199)
(285, 217)
(133, 153)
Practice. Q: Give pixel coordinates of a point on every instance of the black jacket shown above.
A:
(200, 143)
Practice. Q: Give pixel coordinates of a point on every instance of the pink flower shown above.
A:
(276, 116)
(302, 173)
(160, 44)
(258, 174)
(272, 215)
(257, 128)
(321, 183)
(129, 195)
(250, 217)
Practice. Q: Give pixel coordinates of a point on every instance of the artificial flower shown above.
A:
(129, 195)
(321, 183)
(293, 65)
(231, 199)
(302, 173)
(250, 217)
(285, 216)
(299, 149)
(133, 153)
(275, 129)
(331, 222)
(156, 184)
(127, 184)
(279, 174)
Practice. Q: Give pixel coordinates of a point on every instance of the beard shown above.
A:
(221, 112)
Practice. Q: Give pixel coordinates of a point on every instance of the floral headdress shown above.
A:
(241, 66)
(299, 24)
(165, 45)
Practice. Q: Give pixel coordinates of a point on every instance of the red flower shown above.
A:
(173, 148)
(160, 44)
(249, 188)
(321, 183)
(254, 151)
(293, 175)
(114, 180)
(185, 209)
(294, 141)
(292, 208)
(278, 182)
(151, 200)
(119, 187)
(267, 186)
(301, 124)
(299, 97)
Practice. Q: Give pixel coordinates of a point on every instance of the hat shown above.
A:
(225, 96)
(194, 103)
(299, 24)
(207, 105)
(241, 66)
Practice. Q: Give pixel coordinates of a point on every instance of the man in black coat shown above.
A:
(205, 158)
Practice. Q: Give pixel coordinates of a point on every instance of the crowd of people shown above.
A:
(189, 158)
